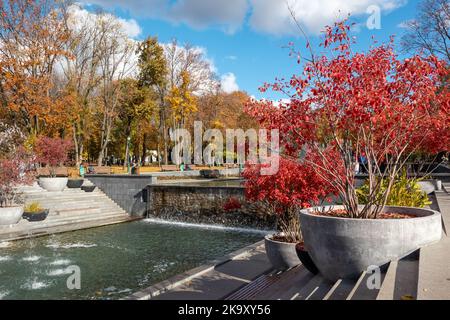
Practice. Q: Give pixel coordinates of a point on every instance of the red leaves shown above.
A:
(368, 100)
(52, 151)
(232, 204)
(295, 184)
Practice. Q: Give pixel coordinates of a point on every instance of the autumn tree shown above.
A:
(182, 102)
(33, 38)
(345, 104)
(153, 76)
(137, 112)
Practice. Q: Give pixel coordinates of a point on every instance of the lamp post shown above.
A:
(128, 154)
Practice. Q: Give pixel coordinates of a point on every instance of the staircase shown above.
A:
(70, 209)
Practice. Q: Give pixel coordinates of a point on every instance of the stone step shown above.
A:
(75, 204)
(341, 290)
(64, 227)
(53, 221)
(434, 271)
(388, 286)
(315, 289)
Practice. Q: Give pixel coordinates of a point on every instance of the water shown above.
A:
(114, 261)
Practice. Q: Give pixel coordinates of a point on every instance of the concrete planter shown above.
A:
(75, 183)
(53, 184)
(282, 255)
(10, 215)
(36, 216)
(343, 247)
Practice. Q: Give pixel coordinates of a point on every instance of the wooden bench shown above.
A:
(59, 172)
(102, 170)
(170, 167)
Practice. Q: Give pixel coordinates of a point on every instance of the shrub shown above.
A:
(291, 188)
(232, 204)
(52, 152)
(34, 207)
(14, 171)
(405, 192)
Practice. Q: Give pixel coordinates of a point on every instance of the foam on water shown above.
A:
(3, 294)
(35, 285)
(5, 244)
(70, 245)
(60, 262)
(58, 272)
(31, 258)
(205, 226)
(5, 258)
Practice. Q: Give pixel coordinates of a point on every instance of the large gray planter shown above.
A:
(10, 215)
(282, 255)
(53, 184)
(344, 248)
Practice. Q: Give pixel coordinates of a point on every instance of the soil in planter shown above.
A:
(341, 213)
(280, 238)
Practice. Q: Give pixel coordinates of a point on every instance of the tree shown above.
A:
(344, 105)
(153, 75)
(33, 39)
(430, 31)
(116, 53)
(138, 108)
(182, 102)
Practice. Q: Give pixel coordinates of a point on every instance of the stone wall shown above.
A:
(128, 191)
(204, 204)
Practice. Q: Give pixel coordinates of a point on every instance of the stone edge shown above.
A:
(179, 279)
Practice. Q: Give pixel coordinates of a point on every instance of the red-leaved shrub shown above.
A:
(52, 152)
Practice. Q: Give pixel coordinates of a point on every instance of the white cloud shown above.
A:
(81, 16)
(406, 24)
(231, 57)
(228, 82)
(228, 15)
(267, 16)
(270, 16)
(130, 27)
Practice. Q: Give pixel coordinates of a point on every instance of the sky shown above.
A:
(246, 39)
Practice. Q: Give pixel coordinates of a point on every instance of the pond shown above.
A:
(114, 261)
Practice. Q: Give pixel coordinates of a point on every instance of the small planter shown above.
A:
(210, 174)
(88, 188)
(10, 215)
(53, 184)
(75, 183)
(282, 255)
(342, 248)
(36, 216)
(305, 258)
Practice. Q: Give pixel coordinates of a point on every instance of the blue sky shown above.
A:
(245, 38)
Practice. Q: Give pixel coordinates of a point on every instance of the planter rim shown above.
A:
(268, 237)
(307, 212)
(39, 212)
